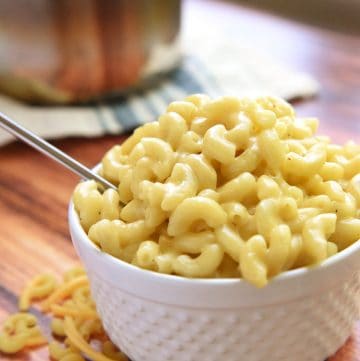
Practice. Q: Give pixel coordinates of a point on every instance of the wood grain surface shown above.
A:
(34, 191)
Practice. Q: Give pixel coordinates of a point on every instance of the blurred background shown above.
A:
(338, 15)
(92, 67)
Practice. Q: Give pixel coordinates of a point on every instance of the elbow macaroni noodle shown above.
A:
(19, 331)
(225, 187)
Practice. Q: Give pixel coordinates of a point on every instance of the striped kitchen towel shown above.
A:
(208, 73)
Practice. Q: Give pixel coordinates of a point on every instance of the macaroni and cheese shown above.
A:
(225, 188)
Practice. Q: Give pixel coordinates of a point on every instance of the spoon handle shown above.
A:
(51, 151)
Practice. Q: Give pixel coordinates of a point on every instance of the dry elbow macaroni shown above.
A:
(225, 187)
(74, 321)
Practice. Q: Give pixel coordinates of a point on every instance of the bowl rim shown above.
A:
(283, 276)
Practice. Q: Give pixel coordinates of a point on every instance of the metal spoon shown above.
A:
(52, 152)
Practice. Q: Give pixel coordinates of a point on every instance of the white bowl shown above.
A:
(302, 315)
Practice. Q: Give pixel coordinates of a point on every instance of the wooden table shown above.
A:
(34, 191)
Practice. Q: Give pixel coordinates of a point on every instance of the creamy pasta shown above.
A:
(225, 188)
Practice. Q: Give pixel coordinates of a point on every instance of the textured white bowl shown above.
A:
(302, 315)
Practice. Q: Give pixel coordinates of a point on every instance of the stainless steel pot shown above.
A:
(68, 51)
